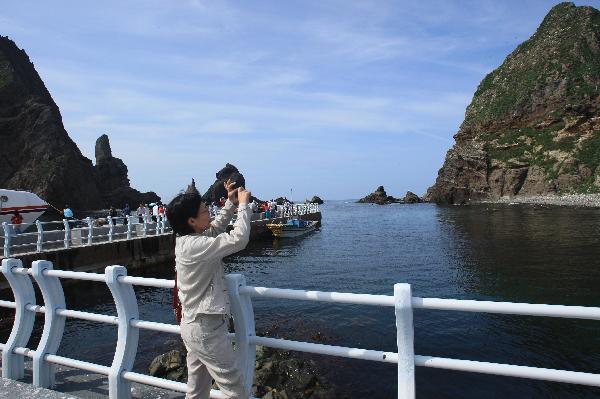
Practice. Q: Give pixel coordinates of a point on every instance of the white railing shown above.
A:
(300, 209)
(64, 234)
(128, 323)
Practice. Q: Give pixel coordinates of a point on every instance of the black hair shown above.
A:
(180, 209)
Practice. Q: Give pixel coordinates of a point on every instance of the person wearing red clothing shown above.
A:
(16, 221)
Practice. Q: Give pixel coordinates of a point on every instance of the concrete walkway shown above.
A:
(76, 384)
(15, 389)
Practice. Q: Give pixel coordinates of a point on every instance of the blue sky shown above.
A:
(323, 97)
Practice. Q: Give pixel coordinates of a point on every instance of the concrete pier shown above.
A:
(134, 253)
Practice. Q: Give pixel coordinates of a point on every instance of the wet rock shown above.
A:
(278, 375)
(170, 365)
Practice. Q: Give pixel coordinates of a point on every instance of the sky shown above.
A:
(329, 98)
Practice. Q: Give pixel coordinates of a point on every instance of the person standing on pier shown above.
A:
(16, 220)
(200, 247)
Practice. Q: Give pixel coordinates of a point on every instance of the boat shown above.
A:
(293, 228)
(29, 205)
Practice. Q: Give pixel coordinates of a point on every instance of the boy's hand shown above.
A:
(243, 195)
(232, 193)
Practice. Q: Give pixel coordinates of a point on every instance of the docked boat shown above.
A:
(29, 205)
(293, 228)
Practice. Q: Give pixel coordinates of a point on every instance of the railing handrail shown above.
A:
(159, 227)
(241, 295)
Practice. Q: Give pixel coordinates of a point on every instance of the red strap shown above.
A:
(176, 303)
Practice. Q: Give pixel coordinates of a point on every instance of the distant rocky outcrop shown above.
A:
(36, 151)
(316, 200)
(379, 197)
(113, 180)
(411, 198)
(217, 190)
(533, 126)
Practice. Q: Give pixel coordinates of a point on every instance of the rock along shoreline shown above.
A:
(567, 200)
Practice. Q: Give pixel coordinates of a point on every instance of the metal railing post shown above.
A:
(13, 364)
(405, 341)
(110, 228)
(243, 318)
(128, 336)
(90, 230)
(40, 236)
(162, 224)
(54, 325)
(7, 238)
(67, 233)
(129, 226)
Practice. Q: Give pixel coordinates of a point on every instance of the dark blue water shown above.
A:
(500, 253)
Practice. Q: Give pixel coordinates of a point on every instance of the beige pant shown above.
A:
(211, 356)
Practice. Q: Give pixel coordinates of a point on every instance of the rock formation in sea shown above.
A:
(113, 180)
(217, 190)
(533, 126)
(37, 153)
(379, 197)
(316, 200)
(411, 198)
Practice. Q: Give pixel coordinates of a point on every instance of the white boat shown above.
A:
(29, 205)
(293, 228)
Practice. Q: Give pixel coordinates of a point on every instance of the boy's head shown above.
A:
(187, 214)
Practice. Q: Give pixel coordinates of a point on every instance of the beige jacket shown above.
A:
(199, 262)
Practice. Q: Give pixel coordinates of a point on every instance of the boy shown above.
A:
(199, 250)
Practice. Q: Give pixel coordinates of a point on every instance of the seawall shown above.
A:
(134, 254)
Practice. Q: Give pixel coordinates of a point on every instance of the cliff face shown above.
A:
(533, 126)
(36, 152)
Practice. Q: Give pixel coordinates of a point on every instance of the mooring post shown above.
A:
(110, 228)
(40, 235)
(128, 336)
(90, 230)
(12, 364)
(54, 325)
(405, 341)
(7, 237)
(67, 233)
(243, 318)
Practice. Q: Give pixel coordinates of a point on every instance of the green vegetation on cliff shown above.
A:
(533, 126)
(561, 61)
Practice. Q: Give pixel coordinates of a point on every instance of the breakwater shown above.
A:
(134, 253)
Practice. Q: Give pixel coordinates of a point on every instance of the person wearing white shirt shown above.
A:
(200, 246)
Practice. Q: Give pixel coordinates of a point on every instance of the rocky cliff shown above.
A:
(36, 152)
(533, 126)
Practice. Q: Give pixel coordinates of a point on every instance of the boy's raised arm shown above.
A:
(221, 221)
(219, 225)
